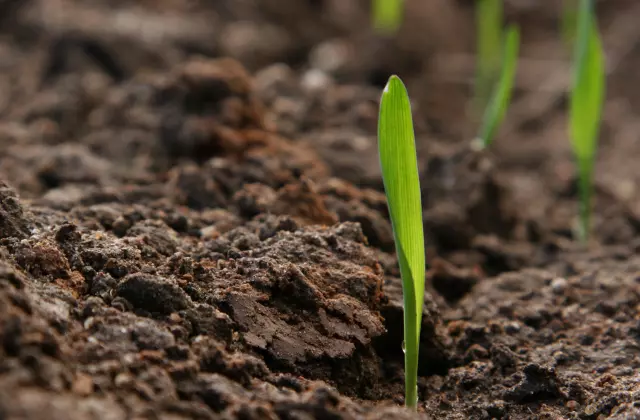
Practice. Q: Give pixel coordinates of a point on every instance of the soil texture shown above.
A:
(193, 223)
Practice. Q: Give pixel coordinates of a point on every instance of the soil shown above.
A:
(193, 223)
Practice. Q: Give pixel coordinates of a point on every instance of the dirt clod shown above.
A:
(152, 293)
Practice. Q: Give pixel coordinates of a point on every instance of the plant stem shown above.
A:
(585, 189)
(411, 362)
(412, 322)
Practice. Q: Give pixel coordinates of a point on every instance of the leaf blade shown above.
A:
(497, 108)
(387, 15)
(398, 160)
(569, 21)
(586, 102)
(489, 17)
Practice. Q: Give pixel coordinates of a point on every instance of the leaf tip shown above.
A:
(394, 83)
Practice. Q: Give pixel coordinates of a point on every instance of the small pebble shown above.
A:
(559, 285)
(512, 328)
(123, 380)
(330, 56)
(315, 80)
(572, 405)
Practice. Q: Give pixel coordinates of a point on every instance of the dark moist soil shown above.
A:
(192, 221)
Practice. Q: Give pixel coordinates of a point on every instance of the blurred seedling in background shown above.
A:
(568, 21)
(489, 36)
(496, 108)
(387, 15)
(585, 107)
(396, 143)
(496, 63)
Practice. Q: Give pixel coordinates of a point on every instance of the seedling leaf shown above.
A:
(402, 186)
(497, 108)
(569, 21)
(387, 15)
(586, 101)
(488, 49)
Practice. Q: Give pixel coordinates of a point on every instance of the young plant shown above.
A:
(568, 21)
(402, 186)
(587, 96)
(497, 56)
(387, 15)
(499, 102)
(488, 48)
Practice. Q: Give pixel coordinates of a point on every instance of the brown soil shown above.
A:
(192, 222)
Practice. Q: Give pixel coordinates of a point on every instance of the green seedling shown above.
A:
(499, 102)
(387, 15)
(497, 56)
(488, 48)
(402, 187)
(568, 21)
(587, 96)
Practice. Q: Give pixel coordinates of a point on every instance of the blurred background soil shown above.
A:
(193, 223)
